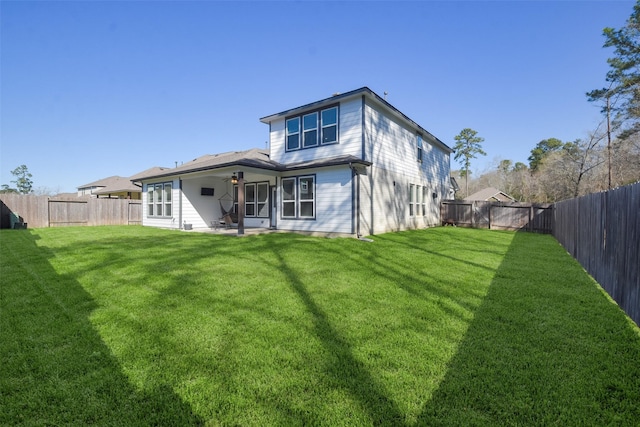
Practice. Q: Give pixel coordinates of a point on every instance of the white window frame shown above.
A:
(249, 203)
(425, 194)
(158, 204)
(257, 204)
(299, 182)
(262, 206)
(291, 201)
(419, 145)
(412, 195)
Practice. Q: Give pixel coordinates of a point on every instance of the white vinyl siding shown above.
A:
(349, 138)
(332, 203)
(400, 191)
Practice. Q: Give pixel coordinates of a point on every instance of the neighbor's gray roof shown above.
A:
(149, 172)
(490, 193)
(358, 92)
(119, 185)
(101, 182)
(254, 158)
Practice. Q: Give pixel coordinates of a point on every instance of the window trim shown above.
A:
(319, 129)
(419, 145)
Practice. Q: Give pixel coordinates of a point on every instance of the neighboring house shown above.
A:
(351, 163)
(112, 187)
(117, 187)
(490, 195)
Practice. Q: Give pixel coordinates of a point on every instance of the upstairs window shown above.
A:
(330, 125)
(312, 129)
(419, 146)
(293, 134)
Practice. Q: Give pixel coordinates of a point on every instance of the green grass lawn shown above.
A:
(446, 326)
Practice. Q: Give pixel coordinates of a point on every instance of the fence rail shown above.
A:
(498, 215)
(602, 231)
(43, 211)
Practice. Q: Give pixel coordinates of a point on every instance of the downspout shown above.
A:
(364, 157)
(354, 209)
(363, 137)
(180, 204)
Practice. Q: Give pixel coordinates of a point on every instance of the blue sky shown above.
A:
(95, 89)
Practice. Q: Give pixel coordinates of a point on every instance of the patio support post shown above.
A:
(240, 203)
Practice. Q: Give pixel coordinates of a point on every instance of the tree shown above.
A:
(542, 150)
(23, 180)
(467, 147)
(623, 75)
(6, 189)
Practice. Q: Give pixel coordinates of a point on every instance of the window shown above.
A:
(158, 192)
(418, 200)
(330, 125)
(159, 199)
(298, 197)
(167, 198)
(293, 134)
(425, 194)
(307, 197)
(288, 197)
(263, 200)
(150, 195)
(412, 195)
(318, 128)
(256, 199)
(250, 200)
(419, 145)
(310, 129)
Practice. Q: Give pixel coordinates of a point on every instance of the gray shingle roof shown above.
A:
(118, 185)
(255, 158)
(490, 193)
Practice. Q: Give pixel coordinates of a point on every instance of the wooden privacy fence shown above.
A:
(602, 231)
(43, 211)
(498, 215)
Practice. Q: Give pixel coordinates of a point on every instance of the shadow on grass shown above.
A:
(344, 371)
(56, 370)
(545, 347)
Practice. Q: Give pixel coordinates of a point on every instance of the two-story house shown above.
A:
(349, 164)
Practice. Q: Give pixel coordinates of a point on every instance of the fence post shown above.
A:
(531, 217)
